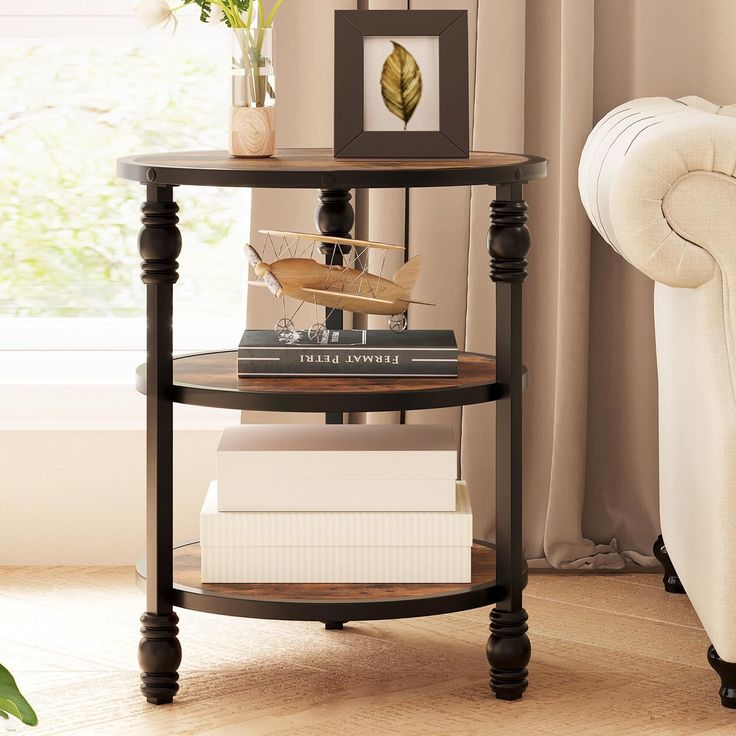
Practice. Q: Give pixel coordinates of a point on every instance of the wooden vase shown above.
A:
(252, 131)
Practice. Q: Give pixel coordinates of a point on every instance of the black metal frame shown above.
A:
(508, 646)
(210, 601)
(509, 241)
(451, 28)
(334, 217)
(159, 242)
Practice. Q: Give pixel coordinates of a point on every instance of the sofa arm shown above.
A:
(657, 180)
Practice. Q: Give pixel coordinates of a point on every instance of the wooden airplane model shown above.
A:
(349, 286)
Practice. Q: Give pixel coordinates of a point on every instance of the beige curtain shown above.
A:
(541, 72)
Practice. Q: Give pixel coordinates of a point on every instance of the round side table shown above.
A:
(210, 379)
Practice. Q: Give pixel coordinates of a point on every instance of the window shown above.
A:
(83, 84)
(73, 105)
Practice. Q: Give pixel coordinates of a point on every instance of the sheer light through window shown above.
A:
(68, 226)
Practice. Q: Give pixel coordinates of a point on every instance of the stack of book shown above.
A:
(348, 353)
(336, 504)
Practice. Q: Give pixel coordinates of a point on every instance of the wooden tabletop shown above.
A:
(211, 379)
(316, 168)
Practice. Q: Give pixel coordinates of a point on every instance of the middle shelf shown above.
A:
(210, 379)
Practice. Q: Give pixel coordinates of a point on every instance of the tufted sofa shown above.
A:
(657, 178)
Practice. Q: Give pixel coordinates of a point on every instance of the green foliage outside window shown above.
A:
(68, 226)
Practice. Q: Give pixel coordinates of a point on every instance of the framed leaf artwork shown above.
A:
(401, 84)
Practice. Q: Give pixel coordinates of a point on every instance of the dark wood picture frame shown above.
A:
(452, 138)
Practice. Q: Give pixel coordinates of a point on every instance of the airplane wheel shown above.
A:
(317, 331)
(284, 325)
(286, 330)
(398, 323)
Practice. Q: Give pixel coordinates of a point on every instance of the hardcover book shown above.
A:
(352, 467)
(348, 353)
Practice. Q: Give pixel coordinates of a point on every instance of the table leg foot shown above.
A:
(159, 657)
(671, 581)
(508, 652)
(727, 672)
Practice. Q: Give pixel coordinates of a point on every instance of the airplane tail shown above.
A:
(408, 274)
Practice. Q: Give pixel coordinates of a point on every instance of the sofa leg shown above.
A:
(671, 582)
(727, 672)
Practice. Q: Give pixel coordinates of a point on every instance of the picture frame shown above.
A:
(409, 102)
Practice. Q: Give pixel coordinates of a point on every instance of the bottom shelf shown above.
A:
(329, 601)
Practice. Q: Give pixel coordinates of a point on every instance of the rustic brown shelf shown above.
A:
(317, 168)
(322, 601)
(211, 379)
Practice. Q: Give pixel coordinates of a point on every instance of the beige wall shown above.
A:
(664, 47)
(718, 80)
(78, 497)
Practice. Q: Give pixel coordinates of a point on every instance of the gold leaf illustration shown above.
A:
(401, 83)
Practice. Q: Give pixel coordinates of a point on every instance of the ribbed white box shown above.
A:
(337, 528)
(337, 547)
(354, 467)
(336, 565)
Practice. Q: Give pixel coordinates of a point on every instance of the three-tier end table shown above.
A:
(171, 575)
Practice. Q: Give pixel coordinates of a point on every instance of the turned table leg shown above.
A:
(159, 651)
(334, 216)
(508, 647)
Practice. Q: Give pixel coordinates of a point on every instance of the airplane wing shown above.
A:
(331, 239)
(374, 299)
(348, 295)
(360, 297)
(415, 301)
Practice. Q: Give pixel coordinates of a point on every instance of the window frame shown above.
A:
(92, 399)
(86, 19)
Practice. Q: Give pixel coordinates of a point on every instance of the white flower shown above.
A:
(216, 16)
(153, 13)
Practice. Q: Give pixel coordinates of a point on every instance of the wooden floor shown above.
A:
(612, 655)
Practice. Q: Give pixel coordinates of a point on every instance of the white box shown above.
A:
(336, 565)
(337, 528)
(354, 467)
(337, 547)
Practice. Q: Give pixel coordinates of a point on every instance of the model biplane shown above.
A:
(294, 272)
